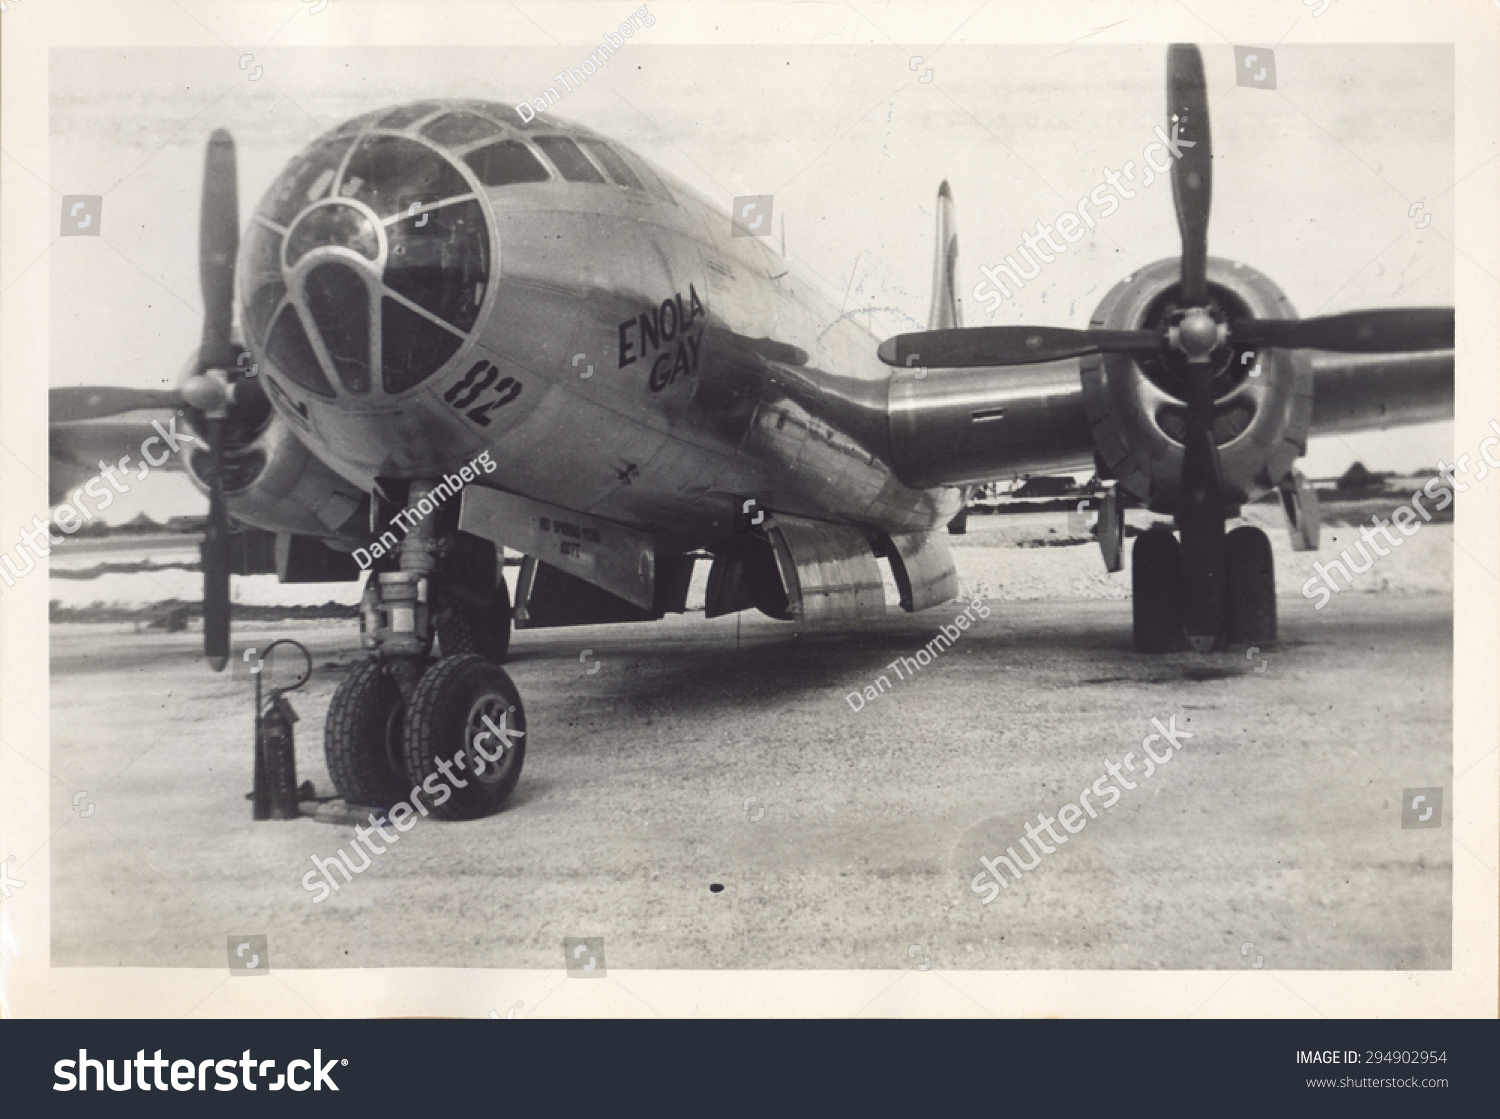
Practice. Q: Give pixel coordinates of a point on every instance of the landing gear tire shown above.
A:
(447, 715)
(468, 622)
(473, 603)
(1251, 598)
(362, 737)
(1156, 592)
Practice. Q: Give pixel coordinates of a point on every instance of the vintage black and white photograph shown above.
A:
(889, 500)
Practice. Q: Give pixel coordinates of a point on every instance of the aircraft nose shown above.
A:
(366, 267)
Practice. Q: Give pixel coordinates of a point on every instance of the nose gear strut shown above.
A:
(399, 727)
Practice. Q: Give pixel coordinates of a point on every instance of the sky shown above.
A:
(1313, 181)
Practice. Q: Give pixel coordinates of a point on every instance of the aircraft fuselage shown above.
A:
(629, 356)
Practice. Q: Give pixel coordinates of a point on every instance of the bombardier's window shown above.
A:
(304, 182)
(506, 163)
(367, 265)
(289, 350)
(460, 128)
(261, 303)
(340, 306)
(411, 347)
(573, 164)
(386, 172)
(439, 259)
(335, 224)
(259, 279)
(618, 171)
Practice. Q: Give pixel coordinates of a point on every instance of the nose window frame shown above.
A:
(348, 167)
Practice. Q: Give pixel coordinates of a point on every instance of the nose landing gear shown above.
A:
(452, 727)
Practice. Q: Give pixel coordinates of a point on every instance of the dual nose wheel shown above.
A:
(1157, 589)
(458, 744)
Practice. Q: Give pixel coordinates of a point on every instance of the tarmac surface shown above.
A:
(705, 797)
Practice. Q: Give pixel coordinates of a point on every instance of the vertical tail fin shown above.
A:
(947, 312)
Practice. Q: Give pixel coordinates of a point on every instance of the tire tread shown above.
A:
(355, 713)
(429, 702)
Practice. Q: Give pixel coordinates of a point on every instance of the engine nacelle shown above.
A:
(1137, 409)
(274, 482)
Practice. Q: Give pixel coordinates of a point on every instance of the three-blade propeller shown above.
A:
(220, 407)
(209, 390)
(1187, 342)
(1383, 331)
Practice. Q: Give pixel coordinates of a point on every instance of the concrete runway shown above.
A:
(1278, 823)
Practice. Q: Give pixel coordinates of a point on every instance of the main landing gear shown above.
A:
(1158, 591)
(450, 729)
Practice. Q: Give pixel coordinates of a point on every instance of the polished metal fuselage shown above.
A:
(761, 387)
(770, 391)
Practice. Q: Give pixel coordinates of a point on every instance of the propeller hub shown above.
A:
(1198, 334)
(207, 393)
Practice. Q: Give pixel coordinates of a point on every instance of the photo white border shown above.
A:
(30, 987)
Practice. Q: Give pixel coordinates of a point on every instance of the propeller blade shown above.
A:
(1200, 511)
(1192, 171)
(1394, 331)
(69, 405)
(214, 553)
(218, 245)
(1010, 345)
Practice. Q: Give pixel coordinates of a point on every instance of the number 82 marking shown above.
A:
(468, 389)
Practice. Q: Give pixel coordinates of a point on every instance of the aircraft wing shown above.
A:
(77, 447)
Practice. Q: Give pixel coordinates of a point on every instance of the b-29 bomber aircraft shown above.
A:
(443, 282)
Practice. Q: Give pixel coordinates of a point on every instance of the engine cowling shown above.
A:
(272, 481)
(1136, 406)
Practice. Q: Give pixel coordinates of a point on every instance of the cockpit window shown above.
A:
(289, 350)
(408, 114)
(456, 129)
(340, 306)
(360, 123)
(506, 163)
(439, 259)
(610, 160)
(304, 182)
(385, 171)
(568, 159)
(653, 182)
